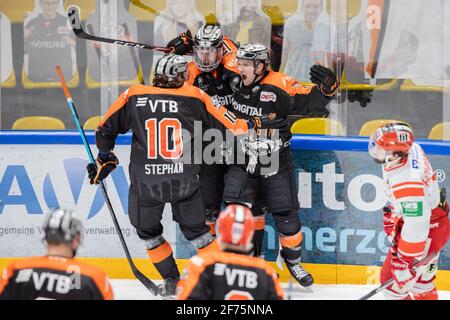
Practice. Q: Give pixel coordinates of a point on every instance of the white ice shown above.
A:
(134, 290)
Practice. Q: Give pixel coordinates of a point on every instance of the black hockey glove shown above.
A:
(106, 163)
(364, 97)
(182, 44)
(325, 80)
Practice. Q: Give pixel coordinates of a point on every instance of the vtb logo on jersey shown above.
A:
(239, 277)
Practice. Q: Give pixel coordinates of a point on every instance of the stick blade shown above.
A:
(73, 12)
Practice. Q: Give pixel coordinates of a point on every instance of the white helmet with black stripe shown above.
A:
(61, 226)
(170, 71)
(255, 52)
(208, 47)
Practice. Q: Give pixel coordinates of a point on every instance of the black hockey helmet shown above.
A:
(208, 47)
(61, 226)
(170, 71)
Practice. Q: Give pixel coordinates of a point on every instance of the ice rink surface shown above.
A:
(134, 290)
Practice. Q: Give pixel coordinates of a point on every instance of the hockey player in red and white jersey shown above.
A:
(416, 221)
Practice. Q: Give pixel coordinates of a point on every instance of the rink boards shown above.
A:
(339, 189)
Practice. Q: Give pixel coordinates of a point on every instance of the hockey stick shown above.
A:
(138, 3)
(74, 18)
(140, 276)
(416, 265)
(133, 54)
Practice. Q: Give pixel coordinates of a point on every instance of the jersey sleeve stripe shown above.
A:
(411, 249)
(408, 192)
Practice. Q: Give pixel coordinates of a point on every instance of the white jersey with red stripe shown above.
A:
(412, 189)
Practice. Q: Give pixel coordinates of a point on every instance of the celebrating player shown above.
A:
(264, 92)
(162, 165)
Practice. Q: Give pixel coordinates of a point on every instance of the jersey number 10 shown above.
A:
(164, 138)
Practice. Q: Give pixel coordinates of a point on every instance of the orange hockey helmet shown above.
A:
(235, 228)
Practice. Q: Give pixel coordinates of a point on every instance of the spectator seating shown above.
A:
(38, 123)
(317, 126)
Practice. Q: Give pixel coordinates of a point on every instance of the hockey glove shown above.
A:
(266, 121)
(182, 44)
(106, 163)
(325, 80)
(403, 271)
(364, 97)
(390, 223)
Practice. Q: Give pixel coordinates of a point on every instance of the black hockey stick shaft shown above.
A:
(139, 275)
(133, 54)
(75, 21)
(383, 286)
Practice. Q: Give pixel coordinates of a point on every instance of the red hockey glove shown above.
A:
(106, 163)
(182, 44)
(390, 223)
(325, 80)
(403, 272)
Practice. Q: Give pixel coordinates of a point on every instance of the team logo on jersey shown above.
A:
(267, 96)
(412, 208)
(141, 101)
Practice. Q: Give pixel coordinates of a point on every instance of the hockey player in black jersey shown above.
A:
(57, 275)
(231, 274)
(214, 71)
(269, 166)
(162, 168)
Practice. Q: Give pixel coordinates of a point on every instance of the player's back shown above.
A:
(53, 278)
(229, 276)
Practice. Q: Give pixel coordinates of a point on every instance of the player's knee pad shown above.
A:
(287, 222)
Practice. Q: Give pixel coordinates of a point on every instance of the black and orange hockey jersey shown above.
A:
(280, 94)
(221, 82)
(168, 126)
(229, 276)
(53, 278)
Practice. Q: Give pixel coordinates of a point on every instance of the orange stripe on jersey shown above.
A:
(407, 183)
(225, 116)
(5, 276)
(291, 241)
(408, 192)
(194, 71)
(139, 89)
(160, 253)
(411, 249)
(259, 222)
(67, 265)
(286, 83)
